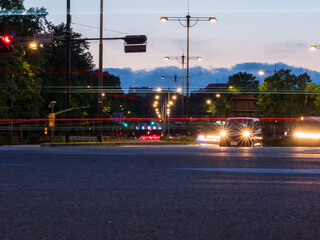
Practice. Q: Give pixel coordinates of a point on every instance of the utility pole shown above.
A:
(100, 76)
(68, 77)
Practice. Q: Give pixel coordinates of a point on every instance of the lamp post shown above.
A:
(68, 55)
(100, 75)
(181, 60)
(174, 96)
(165, 110)
(188, 22)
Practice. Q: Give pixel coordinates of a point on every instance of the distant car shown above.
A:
(307, 131)
(241, 132)
(212, 137)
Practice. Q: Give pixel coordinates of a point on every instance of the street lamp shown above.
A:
(314, 47)
(100, 75)
(188, 22)
(175, 81)
(33, 45)
(181, 60)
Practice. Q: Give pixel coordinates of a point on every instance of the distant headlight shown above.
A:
(246, 134)
(307, 135)
(223, 133)
(201, 137)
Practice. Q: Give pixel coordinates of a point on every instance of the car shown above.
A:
(241, 131)
(307, 132)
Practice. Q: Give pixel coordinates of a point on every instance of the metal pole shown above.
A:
(175, 84)
(52, 128)
(167, 113)
(182, 88)
(187, 102)
(100, 76)
(68, 34)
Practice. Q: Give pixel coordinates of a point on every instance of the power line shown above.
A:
(105, 29)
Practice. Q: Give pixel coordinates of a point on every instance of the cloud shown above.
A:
(199, 77)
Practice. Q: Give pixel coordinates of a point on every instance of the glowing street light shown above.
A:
(189, 22)
(314, 47)
(181, 60)
(33, 45)
(209, 101)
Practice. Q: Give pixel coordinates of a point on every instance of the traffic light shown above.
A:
(135, 39)
(153, 123)
(135, 43)
(45, 131)
(51, 119)
(6, 43)
(125, 125)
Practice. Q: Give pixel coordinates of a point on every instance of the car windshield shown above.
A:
(239, 123)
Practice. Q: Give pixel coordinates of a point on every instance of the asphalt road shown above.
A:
(159, 192)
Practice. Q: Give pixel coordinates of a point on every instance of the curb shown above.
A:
(112, 144)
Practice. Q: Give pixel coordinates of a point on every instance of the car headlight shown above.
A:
(246, 134)
(223, 133)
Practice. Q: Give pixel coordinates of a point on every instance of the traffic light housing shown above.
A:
(135, 43)
(6, 43)
(135, 39)
(51, 120)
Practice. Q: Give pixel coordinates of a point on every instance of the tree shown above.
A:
(243, 80)
(282, 95)
(82, 81)
(20, 86)
(312, 99)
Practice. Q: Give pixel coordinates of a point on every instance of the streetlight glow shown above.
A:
(199, 58)
(163, 19)
(157, 97)
(179, 90)
(189, 22)
(33, 45)
(218, 95)
(158, 89)
(261, 72)
(174, 97)
(209, 101)
(166, 58)
(313, 47)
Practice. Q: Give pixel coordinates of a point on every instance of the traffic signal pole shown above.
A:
(68, 77)
(100, 76)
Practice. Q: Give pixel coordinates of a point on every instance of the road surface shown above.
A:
(159, 192)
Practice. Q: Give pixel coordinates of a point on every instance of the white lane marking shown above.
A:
(255, 182)
(254, 170)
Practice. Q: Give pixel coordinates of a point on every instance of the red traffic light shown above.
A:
(6, 39)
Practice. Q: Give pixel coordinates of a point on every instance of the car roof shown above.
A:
(243, 118)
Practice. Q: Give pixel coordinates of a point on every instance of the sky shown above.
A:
(247, 31)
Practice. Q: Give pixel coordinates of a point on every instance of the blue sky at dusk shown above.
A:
(247, 31)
